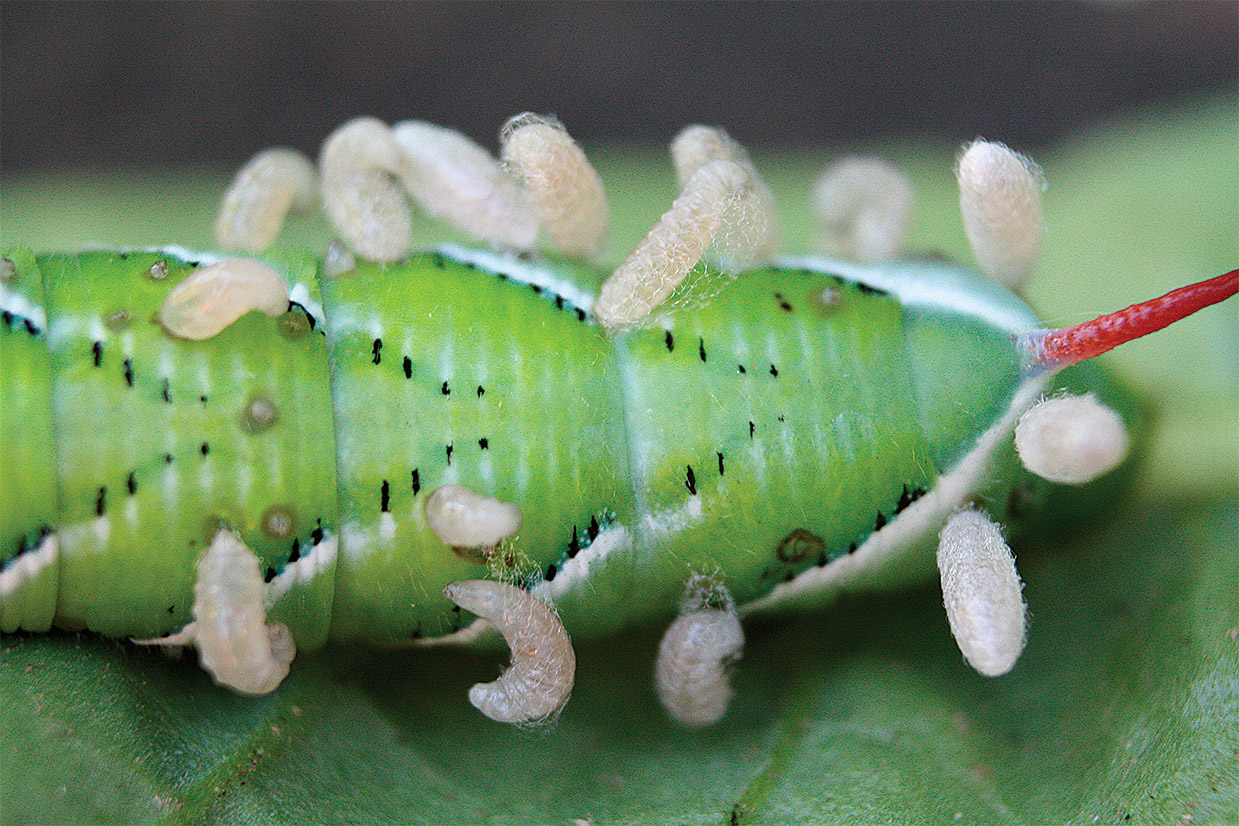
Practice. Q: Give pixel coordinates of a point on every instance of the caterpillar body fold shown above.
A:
(806, 430)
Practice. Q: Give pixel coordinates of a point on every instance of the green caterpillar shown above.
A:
(396, 437)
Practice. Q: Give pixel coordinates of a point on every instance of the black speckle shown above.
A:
(445, 390)
(204, 448)
(436, 259)
(448, 452)
(580, 314)
(908, 497)
(783, 303)
(167, 458)
(536, 288)
(101, 502)
(131, 483)
(484, 443)
(203, 399)
(316, 535)
(385, 497)
(879, 523)
(551, 570)
(593, 528)
(171, 609)
(701, 348)
(417, 482)
(669, 340)
(852, 548)
(752, 429)
(690, 481)
(377, 349)
(127, 366)
(96, 350)
(295, 553)
(481, 391)
(408, 367)
(269, 575)
(774, 371)
(720, 463)
(740, 369)
(164, 392)
(574, 547)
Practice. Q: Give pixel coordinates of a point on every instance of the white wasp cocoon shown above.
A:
(453, 178)
(535, 688)
(235, 644)
(691, 675)
(863, 207)
(211, 298)
(670, 250)
(982, 592)
(359, 164)
(1071, 439)
(273, 183)
(749, 228)
(464, 519)
(1000, 200)
(567, 193)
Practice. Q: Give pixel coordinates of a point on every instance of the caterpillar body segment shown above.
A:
(384, 436)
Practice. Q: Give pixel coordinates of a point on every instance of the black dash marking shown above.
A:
(97, 350)
(752, 428)
(690, 481)
(669, 340)
(408, 367)
(437, 260)
(481, 391)
(774, 371)
(30, 327)
(720, 463)
(171, 609)
(484, 443)
(537, 288)
(783, 304)
(295, 553)
(164, 392)
(908, 497)
(740, 369)
(551, 570)
(316, 535)
(127, 365)
(580, 314)
(131, 483)
(205, 448)
(879, 523)
(101, 502)
(593, 528)
(445, 390)
(559, 301)
(385, 498)
(701, 348)
(852, 548)
(574, 547)
(448, 450)
(269, 575)
(867, 290)
(417, 482)
(378, 346)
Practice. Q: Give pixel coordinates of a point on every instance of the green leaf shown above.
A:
(1123, 709)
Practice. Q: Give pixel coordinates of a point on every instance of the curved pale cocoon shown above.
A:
(567, 193)
(234, 642)
(691, 675)
(213, 297)
(536, 686)
(364, 201)
(464, 519)
(675, 244)
(981, 591)
(273, 183)
(1071, 439)
(453, 178)
(863, 207)
(749, 230)
(1000, 200)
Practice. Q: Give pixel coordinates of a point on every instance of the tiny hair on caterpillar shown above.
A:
(256, 451)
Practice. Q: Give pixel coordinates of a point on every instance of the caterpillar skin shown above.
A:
(803, 433)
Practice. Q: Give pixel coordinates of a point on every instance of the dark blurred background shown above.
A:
(188, 83)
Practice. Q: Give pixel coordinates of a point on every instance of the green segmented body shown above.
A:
(762, 437)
